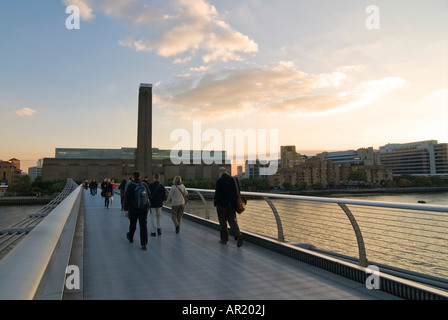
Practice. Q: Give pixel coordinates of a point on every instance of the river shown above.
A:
(436, 198)
(10, 215)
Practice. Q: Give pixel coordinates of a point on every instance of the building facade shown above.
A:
(97, 164)
(34, 172)
(9, 174)
(331, 169)
(424, 158)
(98, 169)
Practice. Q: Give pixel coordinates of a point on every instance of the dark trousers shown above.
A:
(227, 215)
(141, 217)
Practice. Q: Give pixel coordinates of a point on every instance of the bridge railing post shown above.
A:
(363, 262)
(278, 220)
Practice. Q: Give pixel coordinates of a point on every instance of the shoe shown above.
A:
(159, 231)
(177, 229)
(143, 247)
(153, 234)
(240, 241)
(222, 242)
(129, 238)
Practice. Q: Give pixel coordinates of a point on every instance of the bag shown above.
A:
(141, 197)
(240, 205)
(185, 199)
(240, 201)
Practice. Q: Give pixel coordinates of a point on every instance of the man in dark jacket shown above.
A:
(135, 213)
(158, 195)
(225, 203)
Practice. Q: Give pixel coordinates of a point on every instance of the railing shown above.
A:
(13, 234)
(404, 238)
(35, 268)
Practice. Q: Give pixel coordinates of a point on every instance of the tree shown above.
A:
(436, 181)
(422, 181)
(301, 185)
(357, 175)
(318, 186)
(287, 185)
(404, 183)
(24, 186)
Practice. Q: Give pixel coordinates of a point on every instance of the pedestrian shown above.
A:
(113, 188)
(225, 203)
(93, 187)
(137, 212)
(158, 195)
(107, 193)
(122, 188)
(177, 198)
(103, 188)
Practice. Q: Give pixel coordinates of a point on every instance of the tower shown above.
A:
(143, 161)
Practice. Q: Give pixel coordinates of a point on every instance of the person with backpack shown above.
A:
(177, 198)
(158, 195)
(136, 206)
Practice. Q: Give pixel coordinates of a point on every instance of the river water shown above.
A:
(10, 215)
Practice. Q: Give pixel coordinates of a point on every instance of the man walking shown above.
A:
(158, 195)
(225, 203)
(136, 206)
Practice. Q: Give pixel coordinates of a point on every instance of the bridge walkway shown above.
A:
(193, 265)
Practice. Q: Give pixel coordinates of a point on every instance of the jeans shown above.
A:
(141, 217)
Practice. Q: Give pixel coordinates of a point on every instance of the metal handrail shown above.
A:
(23, 268)
(411, 206)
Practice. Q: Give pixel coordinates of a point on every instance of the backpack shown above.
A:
(141, 197)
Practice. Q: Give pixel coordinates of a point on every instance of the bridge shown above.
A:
(78, 251)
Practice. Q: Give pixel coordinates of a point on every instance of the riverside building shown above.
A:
(88, 164)
(424, 158)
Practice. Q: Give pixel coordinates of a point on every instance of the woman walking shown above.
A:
(177, 198)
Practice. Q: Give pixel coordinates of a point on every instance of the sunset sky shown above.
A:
(310, 69)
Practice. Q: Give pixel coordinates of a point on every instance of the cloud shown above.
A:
(86, 12)
(435, 94)
(184, 27)
(278, 89)
(25, 112)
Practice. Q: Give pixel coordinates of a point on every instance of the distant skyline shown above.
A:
(311, 70)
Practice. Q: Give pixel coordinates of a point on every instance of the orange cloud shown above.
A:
(25, 112)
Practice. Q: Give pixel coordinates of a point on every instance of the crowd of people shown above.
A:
(140, 197)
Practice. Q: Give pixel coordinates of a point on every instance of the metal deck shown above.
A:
(193, 265)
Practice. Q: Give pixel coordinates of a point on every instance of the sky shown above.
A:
(325, 75)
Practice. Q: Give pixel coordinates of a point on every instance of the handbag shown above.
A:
(240, 201)
(185, 199)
